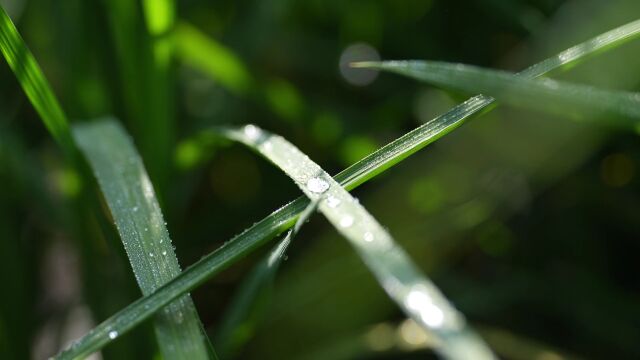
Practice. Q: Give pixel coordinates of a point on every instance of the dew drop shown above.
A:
(113, 334)
(346, 221)
(252, 132)
(333, 201)
(421, 303)
(317, 185)
(146, 229)
(135, 209)
(164, 253)
(368, 237)
(150, 254)
(179, 317)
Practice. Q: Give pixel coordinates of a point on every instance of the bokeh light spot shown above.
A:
(358, 52)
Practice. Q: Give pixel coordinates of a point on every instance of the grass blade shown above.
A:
(142, 52)
(350, 178)
(33, 82)
(218, 62)
(540, 94)
(131, 199)
(391, 265)
(254, 295)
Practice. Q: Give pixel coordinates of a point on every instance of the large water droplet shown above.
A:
(346, 221)
(317, 185)
(113, 334)
(252, 132)
(333, 201)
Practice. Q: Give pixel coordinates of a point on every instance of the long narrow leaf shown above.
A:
(254, 295)
(218, 62)
(350, 178)
(137, 215)
(33, 82)
(393, 268)
(540, 94)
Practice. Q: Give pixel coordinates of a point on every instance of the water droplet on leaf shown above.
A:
(317, 185)
(368, 237)
(333, 201)
(252, 132)
(346, 221)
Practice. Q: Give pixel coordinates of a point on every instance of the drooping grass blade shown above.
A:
(403, 281)
(33, 82)
(350, 178)
(541, 94)
(131, 199)
(248, 305)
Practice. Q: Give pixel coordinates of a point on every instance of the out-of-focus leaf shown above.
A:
(541, 94)
(202, 52)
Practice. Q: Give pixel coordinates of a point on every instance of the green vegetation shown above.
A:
(470, 213)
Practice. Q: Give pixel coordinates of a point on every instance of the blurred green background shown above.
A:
(529, 223)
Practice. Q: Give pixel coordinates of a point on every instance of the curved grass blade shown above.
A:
(540, 94)
(417, 296)
(251, 300)
(360, 172)
(131, 199)
(33, 82)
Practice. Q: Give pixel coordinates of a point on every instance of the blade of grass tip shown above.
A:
(360, 172)
(34, 84)
(242, 318)
(541, 94)
(138, 218)
(391, 265)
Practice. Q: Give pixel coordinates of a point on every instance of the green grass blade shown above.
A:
(575, 54)
(216, 61)
(211, 57)
(240, 321)
(142, 53)
(540, 94)
(33, 82)
(131, 199)
(367, 168)
(391, 265)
